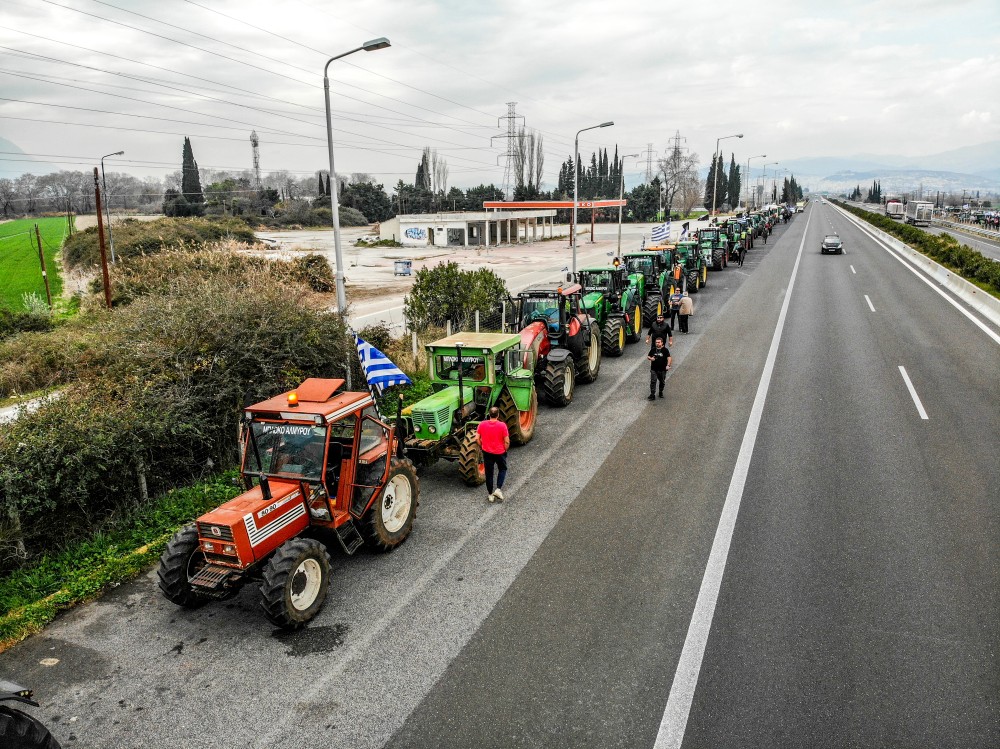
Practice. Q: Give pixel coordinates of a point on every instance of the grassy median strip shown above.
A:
(31, 597)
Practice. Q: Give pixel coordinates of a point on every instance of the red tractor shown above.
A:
(318, 464)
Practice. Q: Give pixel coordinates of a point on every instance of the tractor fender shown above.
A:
(560, 354)
(535, 337)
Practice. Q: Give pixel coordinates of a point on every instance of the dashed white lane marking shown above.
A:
(870, 305)
(853, 271)
(675, 716)
(913, 393)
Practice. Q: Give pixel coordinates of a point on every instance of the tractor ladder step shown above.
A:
(210, 577)
(349, 537)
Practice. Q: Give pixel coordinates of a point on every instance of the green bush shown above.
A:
(12, 322)
(351, 217)
(445, 292)
(944, 248)
(136, 238)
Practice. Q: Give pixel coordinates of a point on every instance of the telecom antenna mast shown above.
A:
(255, 142)
(511, 135)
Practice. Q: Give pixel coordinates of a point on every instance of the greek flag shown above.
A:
(661, 233)
(379, 369)
(684, 229)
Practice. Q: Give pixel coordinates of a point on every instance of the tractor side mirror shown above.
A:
(569, 277)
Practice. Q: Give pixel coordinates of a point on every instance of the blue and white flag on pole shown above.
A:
(379, 370)
(661, 233)
(684, 230)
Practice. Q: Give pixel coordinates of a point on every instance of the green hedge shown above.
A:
(960, 258)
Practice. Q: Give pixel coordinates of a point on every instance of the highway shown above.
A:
(988, 247)
(798, 547)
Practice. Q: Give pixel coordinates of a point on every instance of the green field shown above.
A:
(20, 272)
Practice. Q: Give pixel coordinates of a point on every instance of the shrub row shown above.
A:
(448, 293)
(967, 262)
(135, 238)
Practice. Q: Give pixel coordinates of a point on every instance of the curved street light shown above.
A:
(107, 203)
(746, 176)
(576, 182)
(763, 176)
(715, 179)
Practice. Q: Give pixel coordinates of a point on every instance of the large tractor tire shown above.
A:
(470, 458)
(588, 365)
(613, 337)
(693, 277)
(704, 276)
(296, 582)
(559, 382)
(718, 258)
(520, 424)
(178, 563)
(20, 731)
(390, 519)
(634, 331)
(654, 306)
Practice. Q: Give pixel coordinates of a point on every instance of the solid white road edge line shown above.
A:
(864, 227)
(675, 716)
(870, 305)
(913, 393)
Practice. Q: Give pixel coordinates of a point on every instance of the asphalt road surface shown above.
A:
(784, 552)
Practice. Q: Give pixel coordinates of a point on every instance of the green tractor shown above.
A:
(470, 373)
(690, 258)
(714, 243)
(649, 269)
(614, 303)
(565, 340)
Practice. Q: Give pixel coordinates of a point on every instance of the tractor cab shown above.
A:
(557, 305)
(645, 264)
(609, 282)
(314, 459)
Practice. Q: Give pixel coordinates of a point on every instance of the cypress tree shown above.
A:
(190, 179)
(733, 183)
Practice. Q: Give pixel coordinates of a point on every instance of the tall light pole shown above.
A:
(370, 46)
(715, 180)
(621, 197)
(763, 177)
(576, 182)
(746, 177)
(107, 203)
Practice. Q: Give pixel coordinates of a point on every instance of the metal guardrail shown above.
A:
(969, 229)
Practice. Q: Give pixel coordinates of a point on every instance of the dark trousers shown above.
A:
(673, 319)
(684, 323)
(498, 460)
(656, 375)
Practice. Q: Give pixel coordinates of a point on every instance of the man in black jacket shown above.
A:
(660, 328)
(659, 364)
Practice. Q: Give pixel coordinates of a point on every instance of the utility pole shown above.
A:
(100, 233)
(508, 172)
(41, 260)
(649, 153)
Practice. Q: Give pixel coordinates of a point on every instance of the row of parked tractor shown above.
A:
(322, 467)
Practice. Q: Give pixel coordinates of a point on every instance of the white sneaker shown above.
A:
(498, 496)
(491, 498)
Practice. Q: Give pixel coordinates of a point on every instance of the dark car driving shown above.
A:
(831, 243)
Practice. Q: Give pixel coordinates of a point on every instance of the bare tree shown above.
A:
(362, 178)
(440, 168)
(539, 162)
(690, 192)
(676, 170)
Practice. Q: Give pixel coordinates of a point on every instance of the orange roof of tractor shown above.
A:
(314, 397)
(552, 204)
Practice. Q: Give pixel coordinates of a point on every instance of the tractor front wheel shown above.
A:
(589, 364)
(559, 382)
(613, 337)
(654, 306)
(179, 562)
(470, 458)
(520, 424)
(20, 731)
(296, 581)
(718, 258)
(390, 519)
(692, 282)
(635, 328)
(704, 275)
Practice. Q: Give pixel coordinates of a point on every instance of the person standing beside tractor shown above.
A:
(675, 308)
(685, 311)
(659, 364)
(494, 440)
(660, 328)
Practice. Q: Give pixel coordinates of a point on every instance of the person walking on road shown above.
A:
(494, 440)
(685, 311)
(659, 364)
(675, 307)
(660, 328)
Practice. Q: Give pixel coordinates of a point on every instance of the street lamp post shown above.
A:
(107, 203)
(715, 179)
(369, 46)
(621, 197)
(746, 176)
(763, 177)
(576, 182)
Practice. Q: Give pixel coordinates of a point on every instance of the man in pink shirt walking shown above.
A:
(494, 439)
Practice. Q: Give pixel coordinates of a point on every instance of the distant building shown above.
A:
(469, 228)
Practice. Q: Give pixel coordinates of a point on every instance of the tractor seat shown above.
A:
(333, 461)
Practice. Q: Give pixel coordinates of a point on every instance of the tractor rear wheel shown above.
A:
(588, 365)
(704, 276)
(692, 281)
(470, 458)
(520, 424)
(634, 330)
(654, 306)
(179, 562)
(559, 382)
(613, 337)
(718, 258)
(19, 730)
(390, 519)
(296, 581)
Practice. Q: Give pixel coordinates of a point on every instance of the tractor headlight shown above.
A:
(229, 549)
(432, 429)
(207, 546)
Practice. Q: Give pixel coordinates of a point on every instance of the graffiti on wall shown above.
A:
(416, 233)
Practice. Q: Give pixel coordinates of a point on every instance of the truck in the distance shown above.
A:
(919, 212)
(894, 209)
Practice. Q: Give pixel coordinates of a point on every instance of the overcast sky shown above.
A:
(799, 79)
